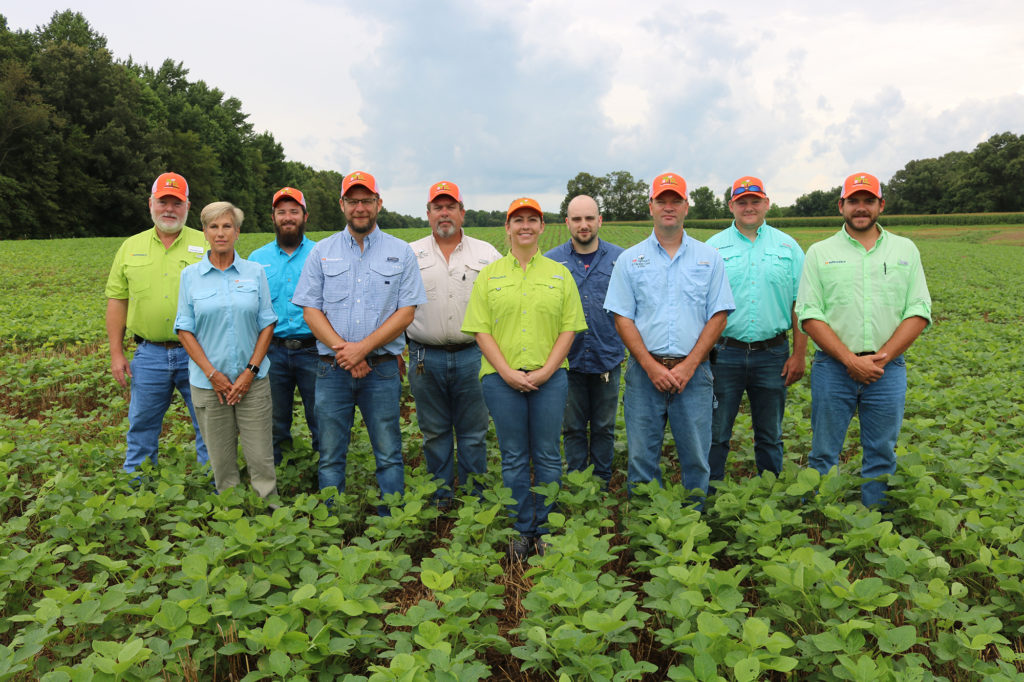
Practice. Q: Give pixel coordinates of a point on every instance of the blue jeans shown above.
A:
(835, 397)
(688, 415)
(593, 399)
(759, 373)
(449, 406)
(527, 426)
(291, 368)
(378, 395)
(156, 372)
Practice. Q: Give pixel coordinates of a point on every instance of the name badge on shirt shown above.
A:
(195, 249)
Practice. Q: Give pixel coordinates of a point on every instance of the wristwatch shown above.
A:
(253, 368)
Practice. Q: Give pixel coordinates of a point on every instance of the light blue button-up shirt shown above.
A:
(283, 270)
(669, 299)
(359, 290)
(764, 276)
(226, 311)
(599, 348)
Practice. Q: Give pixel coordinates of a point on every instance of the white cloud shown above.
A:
(511, 98)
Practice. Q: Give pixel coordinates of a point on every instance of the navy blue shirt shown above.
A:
(599, 349)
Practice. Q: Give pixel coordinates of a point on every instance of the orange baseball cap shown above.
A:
(748, 185)
(521, 203)
(360, 178)
(668, 182)
(858, 182)
(170, 184)
(289, 193)
(445, 188)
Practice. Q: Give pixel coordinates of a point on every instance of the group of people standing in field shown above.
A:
(534, 342)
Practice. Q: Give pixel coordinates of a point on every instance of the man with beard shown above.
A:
(444, 363)
(863, 300)
(142, 296)
(359, 290)
(595, 358)
(293, 355)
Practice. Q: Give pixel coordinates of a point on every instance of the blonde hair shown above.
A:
(218, 208)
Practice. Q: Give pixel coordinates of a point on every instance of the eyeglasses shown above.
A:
(749, 188)
(360, 202)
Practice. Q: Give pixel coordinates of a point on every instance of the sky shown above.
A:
(512, 99)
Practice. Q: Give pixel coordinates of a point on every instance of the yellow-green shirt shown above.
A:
(147, 275)
(863, 295)
(524, 311)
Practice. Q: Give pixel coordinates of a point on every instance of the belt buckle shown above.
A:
(293, 344)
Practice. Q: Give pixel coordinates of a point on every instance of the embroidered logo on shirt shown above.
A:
(705, 263)
(834, 262)
(392, 259)
(902, 262)
(641, 261)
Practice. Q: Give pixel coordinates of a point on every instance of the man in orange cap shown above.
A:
(752, 357)
(293, 356)
(359, 290)
(142, 297)
(670, 296)
(864, 300)
(444, 361)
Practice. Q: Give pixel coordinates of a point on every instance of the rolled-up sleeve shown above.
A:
(185, 320)
(620, 298)
(267, 316)
(309, 292)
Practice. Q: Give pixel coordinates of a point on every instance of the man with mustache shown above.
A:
(670, 296)
(359, 290)
(142, 297)
(444, 363)
(752, 357)
(595, 358)
(863, 299)
(293, 355)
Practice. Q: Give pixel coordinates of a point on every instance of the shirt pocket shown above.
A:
(696, 282)
(779, 263)
(893, 285)
(336, 281)
(205, 302)
(273, 274)
(385, 280)
(545, 297)
(464, 284)
(838, 281)
(139, 272)
(431, 272)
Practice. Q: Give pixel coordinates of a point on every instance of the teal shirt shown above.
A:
(283, 270)
(863, 295)
(764, 276)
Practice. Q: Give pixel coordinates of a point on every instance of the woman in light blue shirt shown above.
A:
(225, 322)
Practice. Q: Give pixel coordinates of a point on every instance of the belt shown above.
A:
(294, 344)
(165, 344)
(865, 352)
(669, 361)
(776, 340)
(371, 360)
(448, 347)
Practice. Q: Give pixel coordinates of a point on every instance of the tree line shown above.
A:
(985, 180)
(82, 136)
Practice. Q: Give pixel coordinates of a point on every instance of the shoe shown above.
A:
(543, 547)
(520, 548)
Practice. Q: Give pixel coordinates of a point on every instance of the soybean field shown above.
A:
(781, 578)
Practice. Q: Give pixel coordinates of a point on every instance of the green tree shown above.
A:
(704, 204)
(817, 203)
(583, 183)
(624, 198)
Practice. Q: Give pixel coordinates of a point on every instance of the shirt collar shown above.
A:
(205, 265)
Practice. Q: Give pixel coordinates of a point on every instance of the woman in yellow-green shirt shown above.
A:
(525, 311)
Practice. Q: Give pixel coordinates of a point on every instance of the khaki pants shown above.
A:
(221, 426)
